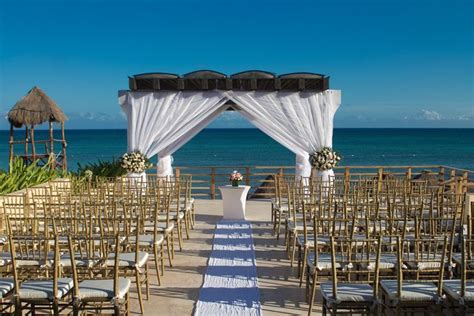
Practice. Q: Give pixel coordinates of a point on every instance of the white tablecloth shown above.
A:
(234, 200)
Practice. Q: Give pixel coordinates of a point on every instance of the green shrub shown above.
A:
(109, 169)
(22, 176)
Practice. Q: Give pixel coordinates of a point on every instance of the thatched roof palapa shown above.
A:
(35, 108)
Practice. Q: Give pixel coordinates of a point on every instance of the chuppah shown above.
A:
(164, 111)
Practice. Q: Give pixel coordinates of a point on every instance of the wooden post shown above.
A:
(465, 179)
(177, 173)
(26, 143)
(452, 176)
(33, 149)
(63, 135)
(441, 174)
(347, 178)
(10, 155)
(409, 173)
(213, 183)
(51, 145)
(247, 176)
(459, 190)
(380, 179)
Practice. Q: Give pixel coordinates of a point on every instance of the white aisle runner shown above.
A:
(230, 283)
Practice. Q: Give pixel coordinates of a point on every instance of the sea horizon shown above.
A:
(251, 147)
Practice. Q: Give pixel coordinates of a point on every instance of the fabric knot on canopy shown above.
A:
(161, 122)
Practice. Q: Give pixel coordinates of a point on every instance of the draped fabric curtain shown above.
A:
(300, 121)
(159, 123)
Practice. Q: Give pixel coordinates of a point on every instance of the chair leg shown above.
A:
(186, 224)
(180, 235)
(293, 250)
(162, 259)
(279, 227)
(172, 244)
(155, 250)
(147, 281)
(55, 308)
(303, 269)
(274, 222)
(127, 304)
(139, 291)
(169, 248)
(313, 294)
(299, 261)
(116, 309)
(75, 311)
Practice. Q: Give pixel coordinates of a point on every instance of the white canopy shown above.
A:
(161, 122)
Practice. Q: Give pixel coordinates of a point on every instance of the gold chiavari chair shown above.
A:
(280, 205)
(318, 262)
(407, 293)
(460, 291)
(38, 287)
(153, 233)
(294, 222)
(105, 291)
(187, 200)
(151, 240)
(354, 280)
(133, 261)
(176, 214)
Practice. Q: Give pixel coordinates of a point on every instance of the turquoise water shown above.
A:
(250, 147)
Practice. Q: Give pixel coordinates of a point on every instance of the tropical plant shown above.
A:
(23, 176)
(101, 168)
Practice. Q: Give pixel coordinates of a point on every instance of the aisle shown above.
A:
(230, 283)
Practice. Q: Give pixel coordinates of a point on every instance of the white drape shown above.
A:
(161, 122)
(300, 121)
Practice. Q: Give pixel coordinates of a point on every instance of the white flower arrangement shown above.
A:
(236, 176)
(88, 174)
(324, 159)
(135, 162)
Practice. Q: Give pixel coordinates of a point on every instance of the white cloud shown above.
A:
(96, 117)
(428, 115)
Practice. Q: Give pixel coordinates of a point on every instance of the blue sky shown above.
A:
(404, 63)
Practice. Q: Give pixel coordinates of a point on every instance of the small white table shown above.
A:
(234, 200)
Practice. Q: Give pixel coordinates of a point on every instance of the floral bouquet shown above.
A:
(235, 177)
(135, 162)
(324, 159)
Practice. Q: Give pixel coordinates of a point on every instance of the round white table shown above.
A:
(234, 200)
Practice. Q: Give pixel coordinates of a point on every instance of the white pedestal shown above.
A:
(234, 200)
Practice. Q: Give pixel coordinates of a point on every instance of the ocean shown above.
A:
(251, 147)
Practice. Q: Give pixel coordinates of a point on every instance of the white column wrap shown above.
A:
(165, 166)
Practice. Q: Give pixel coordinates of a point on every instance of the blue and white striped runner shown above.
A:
(230, 283)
